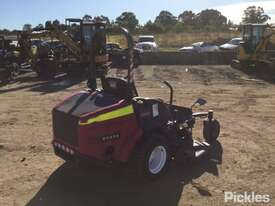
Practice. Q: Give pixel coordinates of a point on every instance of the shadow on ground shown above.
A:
(33, 83)
(58, 84)
(260, 73)
(101, 187)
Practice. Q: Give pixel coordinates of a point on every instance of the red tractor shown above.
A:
(114, 125)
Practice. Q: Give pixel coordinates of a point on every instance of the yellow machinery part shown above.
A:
(109, 115)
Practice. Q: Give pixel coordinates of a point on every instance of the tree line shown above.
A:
(209, 20)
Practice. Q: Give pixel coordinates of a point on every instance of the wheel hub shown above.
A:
(157, 159)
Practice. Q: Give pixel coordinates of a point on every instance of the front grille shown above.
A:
(146, 47)
(65, 127)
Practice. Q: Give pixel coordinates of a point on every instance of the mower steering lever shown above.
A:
(171, 91)
(208, 114)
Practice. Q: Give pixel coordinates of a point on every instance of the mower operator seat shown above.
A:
(152, 113)
(118, 87)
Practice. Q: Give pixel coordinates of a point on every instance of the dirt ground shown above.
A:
(31, 174)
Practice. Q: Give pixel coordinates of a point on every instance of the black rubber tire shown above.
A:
(211, 130)
(4, 81)
(142, 154)
(15, 70)
(5, 77)
(44, 71)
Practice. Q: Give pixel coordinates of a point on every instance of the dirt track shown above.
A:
(31, 174)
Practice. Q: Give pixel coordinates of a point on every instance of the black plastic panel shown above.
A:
(65, 127)
(83, 103)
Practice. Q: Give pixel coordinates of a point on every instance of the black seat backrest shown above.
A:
(118, 87)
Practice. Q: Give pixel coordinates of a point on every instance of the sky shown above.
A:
(15, 13)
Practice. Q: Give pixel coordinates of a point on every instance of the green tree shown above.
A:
(166, 19)
(151, 27)
(5, 31)
(187, 17)
(103, 18)
(62, 27)
(48, 24)
(106, 19)
(27, 27)
(211, 20)
(255, 15)
(56, 22)
(179, 27)
(15, 31)
(128, 20)
(87, 17)
(39, 27)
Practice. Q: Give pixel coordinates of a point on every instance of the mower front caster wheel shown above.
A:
(211, 130)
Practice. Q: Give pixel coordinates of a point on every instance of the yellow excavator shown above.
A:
(253, 51)
(74, 57)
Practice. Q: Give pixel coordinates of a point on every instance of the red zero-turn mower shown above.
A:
(115, 125)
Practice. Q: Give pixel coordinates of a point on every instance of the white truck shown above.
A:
(147, 43)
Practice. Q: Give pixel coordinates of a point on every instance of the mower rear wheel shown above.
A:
(152, 158)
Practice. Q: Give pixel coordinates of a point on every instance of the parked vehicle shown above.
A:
(233, 44)
(36, 42)
(147, 43)
(113, 46)
(45, 60)
(200, 47)
(117, 55)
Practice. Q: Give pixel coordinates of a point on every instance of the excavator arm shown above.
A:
(269, 32)
(52, 34)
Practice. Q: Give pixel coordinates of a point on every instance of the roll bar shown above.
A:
(95, 46)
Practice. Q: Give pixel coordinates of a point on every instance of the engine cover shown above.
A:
(97, 125)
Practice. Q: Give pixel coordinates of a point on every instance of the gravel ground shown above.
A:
(32, 175)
